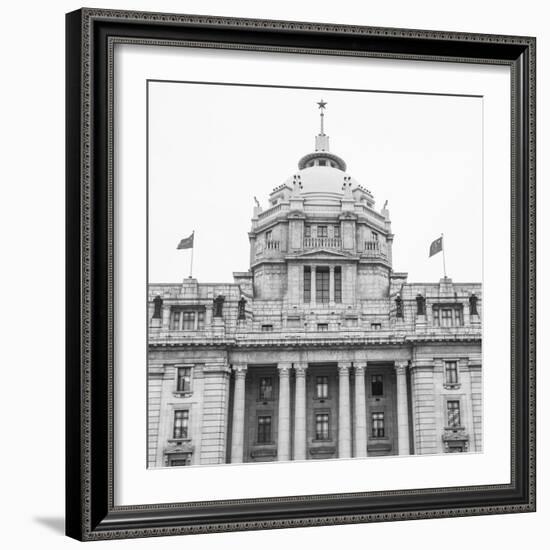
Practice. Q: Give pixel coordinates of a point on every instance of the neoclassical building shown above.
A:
(319, 350)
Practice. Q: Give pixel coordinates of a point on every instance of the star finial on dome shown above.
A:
(322, 106)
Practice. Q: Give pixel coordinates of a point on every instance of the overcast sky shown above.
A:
(212, 148)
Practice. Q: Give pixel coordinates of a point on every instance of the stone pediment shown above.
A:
(173, 448)
(323, 253)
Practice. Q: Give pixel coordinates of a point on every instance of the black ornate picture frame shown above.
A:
(90, 509)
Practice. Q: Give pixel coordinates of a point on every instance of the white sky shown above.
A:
(212, 148)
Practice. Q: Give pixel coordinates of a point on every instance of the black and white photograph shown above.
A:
(270, 275)
(314, 273)
(301, 274)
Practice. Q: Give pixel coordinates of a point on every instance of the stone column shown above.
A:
(283, 435)
(300, 412)
(360, 410)
(237, 438)
(165, 317)
(402, 408)
(331, 285)
(313, 286)
(344, 412)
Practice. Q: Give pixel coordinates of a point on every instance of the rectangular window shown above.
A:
(453, 414)
(267, 328)
(378, 424)
(188, 320)
(451, 372)
(351, 322)
(374, 235)
(338, 285)
(322, 163)
(321, 427)
(307, 284)
(322, 327)
(446, 317)
(307, 231)
(458, 317)
(266, 387)
(377, 385)
(264, 429)
(336, 231)
(184, 379)
(322, 285)
(321, 385)
(293, 323)
(181, 424)
(375, 326)
(322, 231)
(175, 319)
(268, 235)
(450, 316)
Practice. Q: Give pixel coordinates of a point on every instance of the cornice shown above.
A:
(313, 343)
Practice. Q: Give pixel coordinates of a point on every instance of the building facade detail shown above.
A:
(320, 349)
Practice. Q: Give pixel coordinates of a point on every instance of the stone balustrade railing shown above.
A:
(375, 249)
(322, 242)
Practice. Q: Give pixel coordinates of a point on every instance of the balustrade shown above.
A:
(322, 242)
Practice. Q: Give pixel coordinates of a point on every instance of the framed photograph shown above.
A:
(300, 274)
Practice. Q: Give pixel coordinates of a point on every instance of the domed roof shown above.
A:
(316, 181)
(321, 178)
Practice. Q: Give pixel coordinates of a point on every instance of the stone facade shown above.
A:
(319, 350)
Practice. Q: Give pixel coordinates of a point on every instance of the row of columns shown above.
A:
(300, 411)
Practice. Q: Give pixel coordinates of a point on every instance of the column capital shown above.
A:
(331, 267)
(359, 367)
(284, 368)
(343, 367)
(300, 368)
(401, 366)
(240, 369)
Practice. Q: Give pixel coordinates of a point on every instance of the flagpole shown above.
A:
(191, 263)
(443, 250)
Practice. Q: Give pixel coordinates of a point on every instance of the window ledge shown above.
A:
(179, 440)
(451, 386)
(182, 393)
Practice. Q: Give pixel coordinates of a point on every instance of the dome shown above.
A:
(321, 175)
(317, 181)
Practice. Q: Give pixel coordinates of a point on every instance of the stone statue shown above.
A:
(399, 307)
(385, 212)
(420, 305)
(242, 303)
(157, 302)
(473, 305)
(218, 305)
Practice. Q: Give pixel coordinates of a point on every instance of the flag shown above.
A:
(436, 246)
(187, 242)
